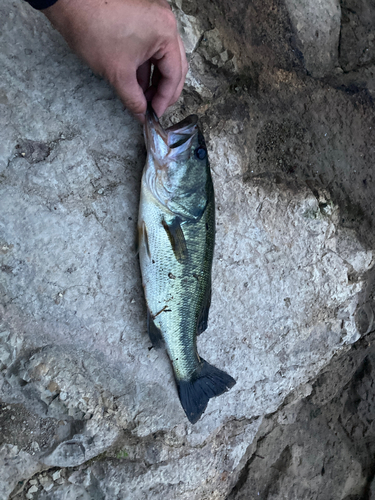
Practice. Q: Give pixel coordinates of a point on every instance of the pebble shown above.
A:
(56, 475)
(46, 482)
(224, 56)
(35, 446)
(48, 486)
(74, 478)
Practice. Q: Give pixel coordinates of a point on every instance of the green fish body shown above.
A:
(176, 228)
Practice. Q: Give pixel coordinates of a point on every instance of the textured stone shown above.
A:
(189, 27)
(317, 25)
(15, 465)
(323, 446)
(68, 492)
(357, 45)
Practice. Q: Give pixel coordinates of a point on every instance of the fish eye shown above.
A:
(200, 153)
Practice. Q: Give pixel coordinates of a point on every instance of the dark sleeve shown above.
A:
(41, 4)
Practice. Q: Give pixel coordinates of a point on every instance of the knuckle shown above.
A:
(132, 102)
(170, 23)
(124, 87)
(134, 107)
(113, 75)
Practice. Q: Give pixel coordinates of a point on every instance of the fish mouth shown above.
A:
(174, 142)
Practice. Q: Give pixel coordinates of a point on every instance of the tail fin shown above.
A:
(206, 382)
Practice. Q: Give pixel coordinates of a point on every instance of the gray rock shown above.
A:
(15, 465)
(317, 25)
(68, 492)
(46, 482)
(357, 45)
(190, 29)
(320, 447)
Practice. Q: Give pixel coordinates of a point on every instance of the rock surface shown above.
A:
(89, 409)
(317, 25)
(322, 446)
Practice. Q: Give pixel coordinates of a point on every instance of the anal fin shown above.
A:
(154, 332)
(203, 318)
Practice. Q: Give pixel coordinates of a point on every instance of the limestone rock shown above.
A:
(317, 25)
(320, 440)
(190, 29)
(15, 465)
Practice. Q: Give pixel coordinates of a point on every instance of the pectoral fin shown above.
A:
(143, 238)
(176, 238)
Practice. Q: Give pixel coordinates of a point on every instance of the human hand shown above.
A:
(120, 40)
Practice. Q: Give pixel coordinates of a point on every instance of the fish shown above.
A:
(176, 237)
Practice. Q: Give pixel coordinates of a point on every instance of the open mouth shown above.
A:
(180, 133)
(177, 139)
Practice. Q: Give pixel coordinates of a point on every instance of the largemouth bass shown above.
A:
(176, 230)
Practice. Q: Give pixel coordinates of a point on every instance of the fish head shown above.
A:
(177, 163)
